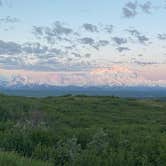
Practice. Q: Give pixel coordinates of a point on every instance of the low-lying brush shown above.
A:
(80, 130)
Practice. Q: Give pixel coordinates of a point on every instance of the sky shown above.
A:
(83, 42)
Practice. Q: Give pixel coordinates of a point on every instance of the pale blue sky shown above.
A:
(76, 12)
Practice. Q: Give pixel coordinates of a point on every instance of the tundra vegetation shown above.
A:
(81, 130)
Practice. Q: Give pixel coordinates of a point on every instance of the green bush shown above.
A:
(82, 131)
(12, 159)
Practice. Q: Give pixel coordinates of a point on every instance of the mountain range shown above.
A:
(21, 86)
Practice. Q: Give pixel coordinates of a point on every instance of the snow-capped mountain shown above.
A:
(98, 77)
(24, 86)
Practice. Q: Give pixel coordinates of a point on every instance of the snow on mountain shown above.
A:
(114, 76)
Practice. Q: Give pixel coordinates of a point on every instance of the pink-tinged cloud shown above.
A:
(113, 69)
(154, 72)
(117, 75)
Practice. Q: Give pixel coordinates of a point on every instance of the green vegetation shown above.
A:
(82, 131)
(12, 159)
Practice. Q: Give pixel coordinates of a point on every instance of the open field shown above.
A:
(81, 130)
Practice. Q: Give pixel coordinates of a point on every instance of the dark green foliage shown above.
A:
(12, 159)
(81, 130)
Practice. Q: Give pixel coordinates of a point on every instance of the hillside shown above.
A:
(81, 130)
(120, 91)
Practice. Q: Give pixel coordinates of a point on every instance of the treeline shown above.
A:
(80, 130)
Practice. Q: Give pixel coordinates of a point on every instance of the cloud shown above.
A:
(70, 47)
(9, 48)
(7, 3)
(58, 31)
(88, 41)
(119, 40)
(140, 37)
(38, 31)
(68, 38)
(55, 51)
(133, 32)
(9, 19)
(162, 36)
(130, 8)
(146, 7)
(140, 55)
(34, 48)
(142, 63)
(121, 49)
(8, 60)
(109, 28)
(90, 28)
(76, 54)
(12, 48)
(101, 43)
(95, 44)
(7, 23)
(34, 56)
(87, 55)
(1, 4)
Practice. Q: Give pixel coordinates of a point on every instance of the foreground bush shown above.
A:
(82, 131)
(12, 159)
